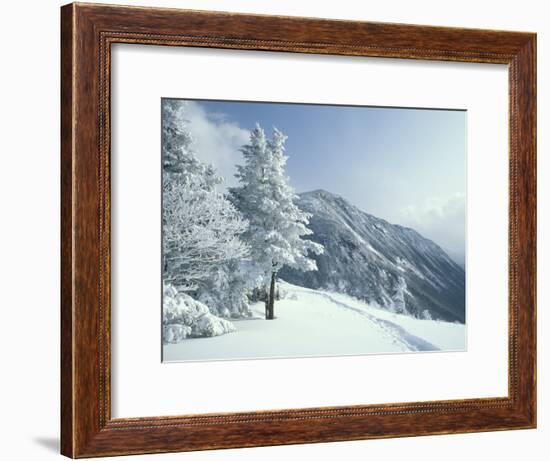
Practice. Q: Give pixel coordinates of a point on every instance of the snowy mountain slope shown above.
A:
(318, 323)
(373, 260)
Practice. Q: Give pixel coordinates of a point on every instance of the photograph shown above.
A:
(304, 230)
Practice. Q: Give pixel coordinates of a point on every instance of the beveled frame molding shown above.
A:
(87, 33)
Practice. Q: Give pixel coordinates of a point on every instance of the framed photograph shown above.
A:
(284, 230)
(251, 232)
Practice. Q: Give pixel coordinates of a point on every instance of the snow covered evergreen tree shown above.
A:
(226, 292)
(398, 296)
(201, 228)
(267, 202)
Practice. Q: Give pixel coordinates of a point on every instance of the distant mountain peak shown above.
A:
(318, 192)
(323, 194)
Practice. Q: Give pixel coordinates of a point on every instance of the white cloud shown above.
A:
(217, 141)
(441, 219)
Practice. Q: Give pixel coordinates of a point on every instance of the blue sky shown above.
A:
(404, 165)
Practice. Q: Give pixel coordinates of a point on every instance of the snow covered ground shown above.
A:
(317, 323)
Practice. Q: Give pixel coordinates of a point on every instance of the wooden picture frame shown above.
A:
(87, 33)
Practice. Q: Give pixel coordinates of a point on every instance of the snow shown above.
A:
(184, 317)
(175, 332)
(319, 323)
(377, 253)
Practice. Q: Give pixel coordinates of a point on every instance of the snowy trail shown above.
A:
(312, 323)
(409, 341)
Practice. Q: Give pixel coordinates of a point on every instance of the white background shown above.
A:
(143, 386)
(29, 248)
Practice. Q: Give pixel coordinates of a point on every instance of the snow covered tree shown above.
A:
(267, 202)
(226, 292)
(398, 296)
(201, 228)
(201, 232)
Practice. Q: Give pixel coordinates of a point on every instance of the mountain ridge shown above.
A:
(371, 259)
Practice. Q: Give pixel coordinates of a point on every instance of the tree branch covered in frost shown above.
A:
(201, 231)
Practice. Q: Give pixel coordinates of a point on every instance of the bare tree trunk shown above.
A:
(271, 303)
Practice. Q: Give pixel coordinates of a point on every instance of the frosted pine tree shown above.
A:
(398, 298)
(267, 202)
(201, 228)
